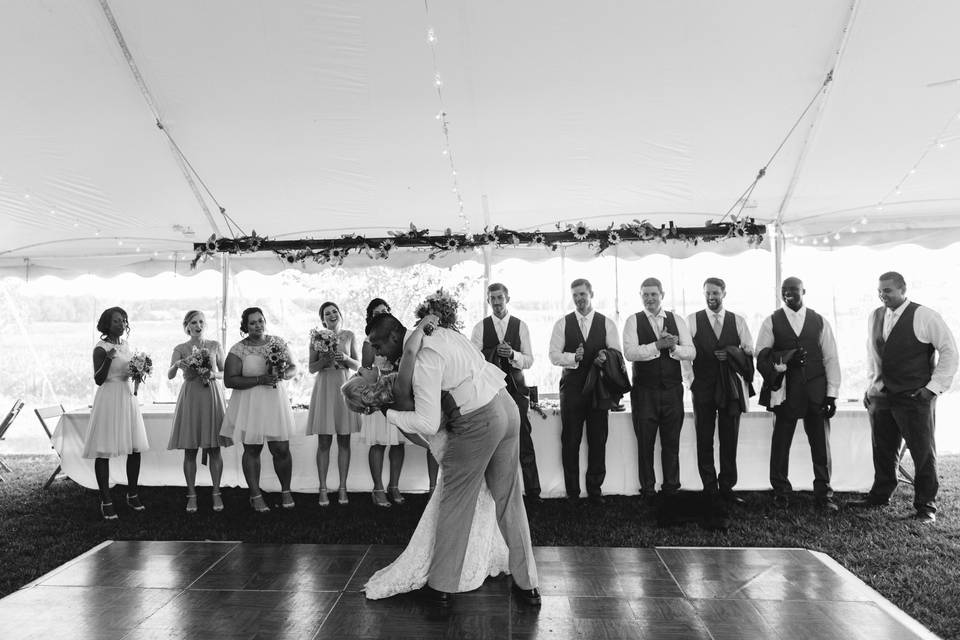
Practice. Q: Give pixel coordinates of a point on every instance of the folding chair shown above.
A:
(7, 422)
(44, 414)
(902, 474)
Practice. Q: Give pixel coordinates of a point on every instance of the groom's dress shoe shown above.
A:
(529, 597)
(429, 595)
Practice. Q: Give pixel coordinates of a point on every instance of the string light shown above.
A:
(937, 142)
(447, 151)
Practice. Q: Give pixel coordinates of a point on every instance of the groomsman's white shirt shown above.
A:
(828, 344)
(743, 331)
(522, 359)
(929, 327)
(568, 359)
(636, 352)
(447, 361)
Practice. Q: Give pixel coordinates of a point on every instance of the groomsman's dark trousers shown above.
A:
(818, 435)
(658, 410)
(708, 419)
(894, 418)
(528, 457)
(574, 413)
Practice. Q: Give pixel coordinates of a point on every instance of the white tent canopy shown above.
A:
(315, 119)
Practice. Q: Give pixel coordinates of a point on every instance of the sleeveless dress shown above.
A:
(373, 426)
(328, 414)
(486, 554)
(260, 413)
(116, 424)
(198, 417)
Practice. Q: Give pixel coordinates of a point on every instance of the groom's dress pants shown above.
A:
(483, 444)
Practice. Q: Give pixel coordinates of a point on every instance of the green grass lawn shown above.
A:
(915, 567)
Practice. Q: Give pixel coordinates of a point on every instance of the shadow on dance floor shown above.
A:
(218, 590)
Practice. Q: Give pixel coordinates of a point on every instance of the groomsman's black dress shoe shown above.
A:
(429, 595)
(598, 500)
(827, 505)
(731, 498)
(529, 597)
(533, 499)
(924, 517)
(649, 499)
(573, 500)
(868, 502)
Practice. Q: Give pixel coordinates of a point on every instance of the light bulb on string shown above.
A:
(941, 145)
(853, 229)
(863, 220)
(836, 236)
(431, 35)
(138, 248)
(813, 241)
(119, 242)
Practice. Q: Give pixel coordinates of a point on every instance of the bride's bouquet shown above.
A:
(139, 368)
(277, 359)
(444, 305)
(324, 341)
(200, 362)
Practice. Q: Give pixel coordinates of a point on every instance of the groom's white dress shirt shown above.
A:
(447, 361)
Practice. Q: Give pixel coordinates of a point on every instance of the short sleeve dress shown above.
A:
(261, 413)
(328, 413)
(198, 418)
(116, 424)
(374, 429)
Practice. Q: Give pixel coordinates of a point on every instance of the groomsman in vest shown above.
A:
(715, 332)
(577, 343)
(504, 340)
(811, 385)
(905, 379)
(656, 341)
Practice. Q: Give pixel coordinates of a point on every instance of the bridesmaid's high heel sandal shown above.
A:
(191, 503)
(107, 511)
(286, 500)
(217, 501)
(380, 498)
(258, 504)
(133, 501)
(342, 496)
(395, 495)
(324, 500)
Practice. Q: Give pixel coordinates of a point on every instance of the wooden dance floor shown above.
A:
(216, 591)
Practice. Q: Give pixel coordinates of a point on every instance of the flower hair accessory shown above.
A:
(444, 305)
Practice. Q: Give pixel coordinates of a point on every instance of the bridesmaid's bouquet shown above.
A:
(200, 362)
(139, 368)
(444, 305)
(324, 341)
(277, 359)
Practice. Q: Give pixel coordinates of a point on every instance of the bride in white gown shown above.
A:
(486, 550)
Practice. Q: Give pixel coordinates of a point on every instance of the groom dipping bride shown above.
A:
(451, 382)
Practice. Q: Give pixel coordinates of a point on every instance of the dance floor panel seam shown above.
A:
(217, 591)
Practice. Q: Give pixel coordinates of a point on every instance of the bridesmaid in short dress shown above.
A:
(116, 424)
(259, 408)
(198, 416)
(328, 415)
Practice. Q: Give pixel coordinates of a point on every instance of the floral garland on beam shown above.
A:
(332, 251)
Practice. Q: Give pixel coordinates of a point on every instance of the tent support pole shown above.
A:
(778, 241)
(224, 291)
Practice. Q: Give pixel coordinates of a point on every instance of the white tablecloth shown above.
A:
(849, 437)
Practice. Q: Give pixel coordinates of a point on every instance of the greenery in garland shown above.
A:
(332, 251)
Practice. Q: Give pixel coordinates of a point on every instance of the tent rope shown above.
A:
(744, 197)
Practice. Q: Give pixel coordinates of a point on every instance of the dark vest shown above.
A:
(663, 372)
(809, 384)
(572, 380)
(906, 364)
(514, 377)
(706, 367)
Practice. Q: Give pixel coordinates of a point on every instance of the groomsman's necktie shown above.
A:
(584, 327)
(717, 325)
(887, 323)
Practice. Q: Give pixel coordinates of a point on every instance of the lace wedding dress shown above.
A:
(486, 551)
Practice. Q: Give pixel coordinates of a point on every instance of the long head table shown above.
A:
(849, 437)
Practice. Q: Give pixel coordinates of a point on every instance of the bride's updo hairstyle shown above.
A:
(361, 396)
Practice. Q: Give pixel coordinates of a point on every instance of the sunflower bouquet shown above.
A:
(139, 368)
(277, 360)
(444, 305)
(200, 362)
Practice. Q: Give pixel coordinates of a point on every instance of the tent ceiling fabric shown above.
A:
(313, 119)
